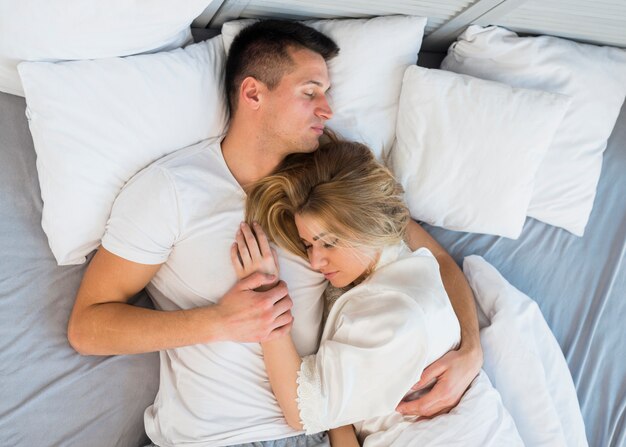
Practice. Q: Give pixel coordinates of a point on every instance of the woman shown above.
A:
(388, 315)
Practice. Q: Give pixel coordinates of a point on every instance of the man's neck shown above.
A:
(248, 159)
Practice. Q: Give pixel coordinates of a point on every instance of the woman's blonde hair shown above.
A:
(342, 186)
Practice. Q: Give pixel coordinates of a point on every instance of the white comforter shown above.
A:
(535, 403)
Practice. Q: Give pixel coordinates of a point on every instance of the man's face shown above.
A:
(297, 108)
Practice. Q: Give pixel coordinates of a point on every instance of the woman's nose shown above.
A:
(317, 258)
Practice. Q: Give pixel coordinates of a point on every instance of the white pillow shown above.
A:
(96, 123)
(366, 76)
(524, 361)
(41, 30)
(467, 149)
(594, 77)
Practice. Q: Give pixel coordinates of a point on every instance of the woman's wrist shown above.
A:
(277, 343)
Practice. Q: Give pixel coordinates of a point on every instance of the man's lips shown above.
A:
(318, 129)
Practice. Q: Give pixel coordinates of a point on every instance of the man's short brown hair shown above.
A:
(261, 50)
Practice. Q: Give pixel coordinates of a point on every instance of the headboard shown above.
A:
(601, 23)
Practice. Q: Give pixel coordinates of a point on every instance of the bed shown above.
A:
(49, 395)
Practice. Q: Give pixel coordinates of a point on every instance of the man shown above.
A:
(170, 231)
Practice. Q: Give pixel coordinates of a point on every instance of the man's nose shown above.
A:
(317, 258)
(324, 110)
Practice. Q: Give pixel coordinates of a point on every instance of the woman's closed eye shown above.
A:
(332, 244)
(326, 245)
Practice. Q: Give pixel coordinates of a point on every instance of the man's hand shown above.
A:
(246, 315)
(453, 374)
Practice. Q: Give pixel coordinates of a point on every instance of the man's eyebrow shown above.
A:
(314, 82)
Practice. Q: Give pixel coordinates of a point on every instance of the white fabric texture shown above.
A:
(525, 362)
(392, 325)
(467, 150)
(40, 30)
(479, 420)
(95, 123)
(594, 77)
(184, 210)
(366, 76)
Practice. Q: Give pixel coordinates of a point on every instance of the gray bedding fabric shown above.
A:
(51, 396)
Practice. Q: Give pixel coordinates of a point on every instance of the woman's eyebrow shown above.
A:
(319, 236)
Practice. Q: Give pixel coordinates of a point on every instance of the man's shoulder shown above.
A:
(194, 156)
(168, 174)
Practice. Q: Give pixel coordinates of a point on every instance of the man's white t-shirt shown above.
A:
(183, 212)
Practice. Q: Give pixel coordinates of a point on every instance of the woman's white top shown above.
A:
(378, 338)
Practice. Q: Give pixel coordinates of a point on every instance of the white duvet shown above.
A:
(534, 402)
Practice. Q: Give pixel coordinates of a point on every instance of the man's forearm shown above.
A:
(456, 286)
(462, 300)
(120, 328)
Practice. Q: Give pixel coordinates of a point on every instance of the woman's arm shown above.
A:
(252, 253)
(343, 437)
(282, 363)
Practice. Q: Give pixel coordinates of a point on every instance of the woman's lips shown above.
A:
(329, 275)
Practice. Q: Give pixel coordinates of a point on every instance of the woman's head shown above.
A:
(337, 207)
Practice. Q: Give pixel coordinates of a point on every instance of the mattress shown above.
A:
(50, 395)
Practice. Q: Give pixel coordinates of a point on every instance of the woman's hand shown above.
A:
(251, 252)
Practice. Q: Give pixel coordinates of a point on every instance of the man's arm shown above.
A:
(103, 323)
(454, 371)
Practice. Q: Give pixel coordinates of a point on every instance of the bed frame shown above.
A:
(599, 22)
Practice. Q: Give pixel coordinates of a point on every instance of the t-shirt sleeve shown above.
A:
(144, 222)
(376, 352)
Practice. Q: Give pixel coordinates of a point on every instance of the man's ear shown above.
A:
(250, 93)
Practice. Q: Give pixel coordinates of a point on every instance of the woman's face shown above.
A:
(340, 264)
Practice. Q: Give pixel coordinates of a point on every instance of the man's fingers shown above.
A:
(435, 401)
(424, 406)
(430, 375)
(259, 279)
(283, 305)
(280, 332)
(283, 319)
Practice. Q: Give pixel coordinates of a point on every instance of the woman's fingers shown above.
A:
(275, 257)
(236, 260)
(262, 240)
(244, 253)
(251, 241)
(254, 250)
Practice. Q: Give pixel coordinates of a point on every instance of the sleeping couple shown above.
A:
(244, 356)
